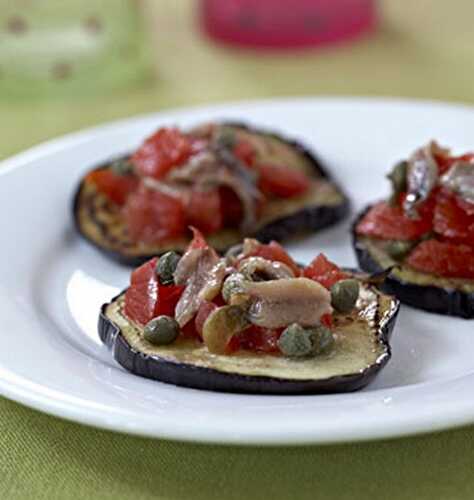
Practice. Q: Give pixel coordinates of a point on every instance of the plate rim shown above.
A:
(21, 390)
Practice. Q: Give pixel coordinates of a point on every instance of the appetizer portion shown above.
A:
(426, 229)
(227, 180)
(250, 321)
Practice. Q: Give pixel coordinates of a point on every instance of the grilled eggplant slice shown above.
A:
(449, 296)
(360, 351)
(100, 222)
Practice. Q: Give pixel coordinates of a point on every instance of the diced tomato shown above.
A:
(322, 270)
(165, 149)
(152, 216)
(233, 345)
(327, 320)
(205, 309)
(454, 218)
(146, 298)
(203, 210)
(142, 295)
(390, 222)
(231, 207)
(168, 296)
(443, 258)
(281, 181)
(446, 162)
(189, 331)
(260, 339)
(274, 251)
(116, 187)
(245, 152)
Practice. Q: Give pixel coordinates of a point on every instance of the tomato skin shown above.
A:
(203, 210)
(142, 295)
(146, 298)
(231, 207)
(281, 181)
(454, 218)
(446, 162)
(390, 222)
(165, 149)
(443, 258)
(258, 339)
(327, 320)
(325, 272)
(273, 251)
(152, 216)
(245, 152)
(116, 187)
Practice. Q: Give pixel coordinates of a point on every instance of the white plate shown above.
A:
(52, 285)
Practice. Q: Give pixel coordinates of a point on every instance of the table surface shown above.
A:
(422, 49)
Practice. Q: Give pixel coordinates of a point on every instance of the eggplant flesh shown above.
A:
(437, 294)
(100, 221)
(361, 350)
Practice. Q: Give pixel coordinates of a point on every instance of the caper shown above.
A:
(398, 178)
(344, 295)
(166, 267)
(122, 167)
(398, 249)
(299, 342)
(161, 330)
(232, 287)
(221, 325)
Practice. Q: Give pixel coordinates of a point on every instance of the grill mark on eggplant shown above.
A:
(431, 298)
(308, 218)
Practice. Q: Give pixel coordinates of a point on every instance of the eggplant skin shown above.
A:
(309, 219)
(431, 298)
(197, 377)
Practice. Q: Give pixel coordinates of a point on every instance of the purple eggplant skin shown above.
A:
(431, 298)
(309, 219)
(188, 375)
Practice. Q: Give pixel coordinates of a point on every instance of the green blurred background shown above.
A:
(421, 49)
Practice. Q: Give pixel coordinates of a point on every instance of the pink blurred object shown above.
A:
(286, 23)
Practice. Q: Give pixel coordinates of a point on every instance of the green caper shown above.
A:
(161, 330)
(344, 295)
(166, 267)
(299, 342)
(233, 285)
(398, 249)
(398, 178)
(122, 167)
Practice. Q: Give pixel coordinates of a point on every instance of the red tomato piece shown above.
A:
(443, 258)
(152, 216)
(189, 331)
(446, 162)
(260, 339)
(322, 270)
(454, 218)
(116, 187)
(205, 309)
(203, 210)
(327, 320)
(274, 251)
(142, 295)
(281, 181)
(231, 207)
(168, 296)
(387, 222)
(165, 149)
(245, 152)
